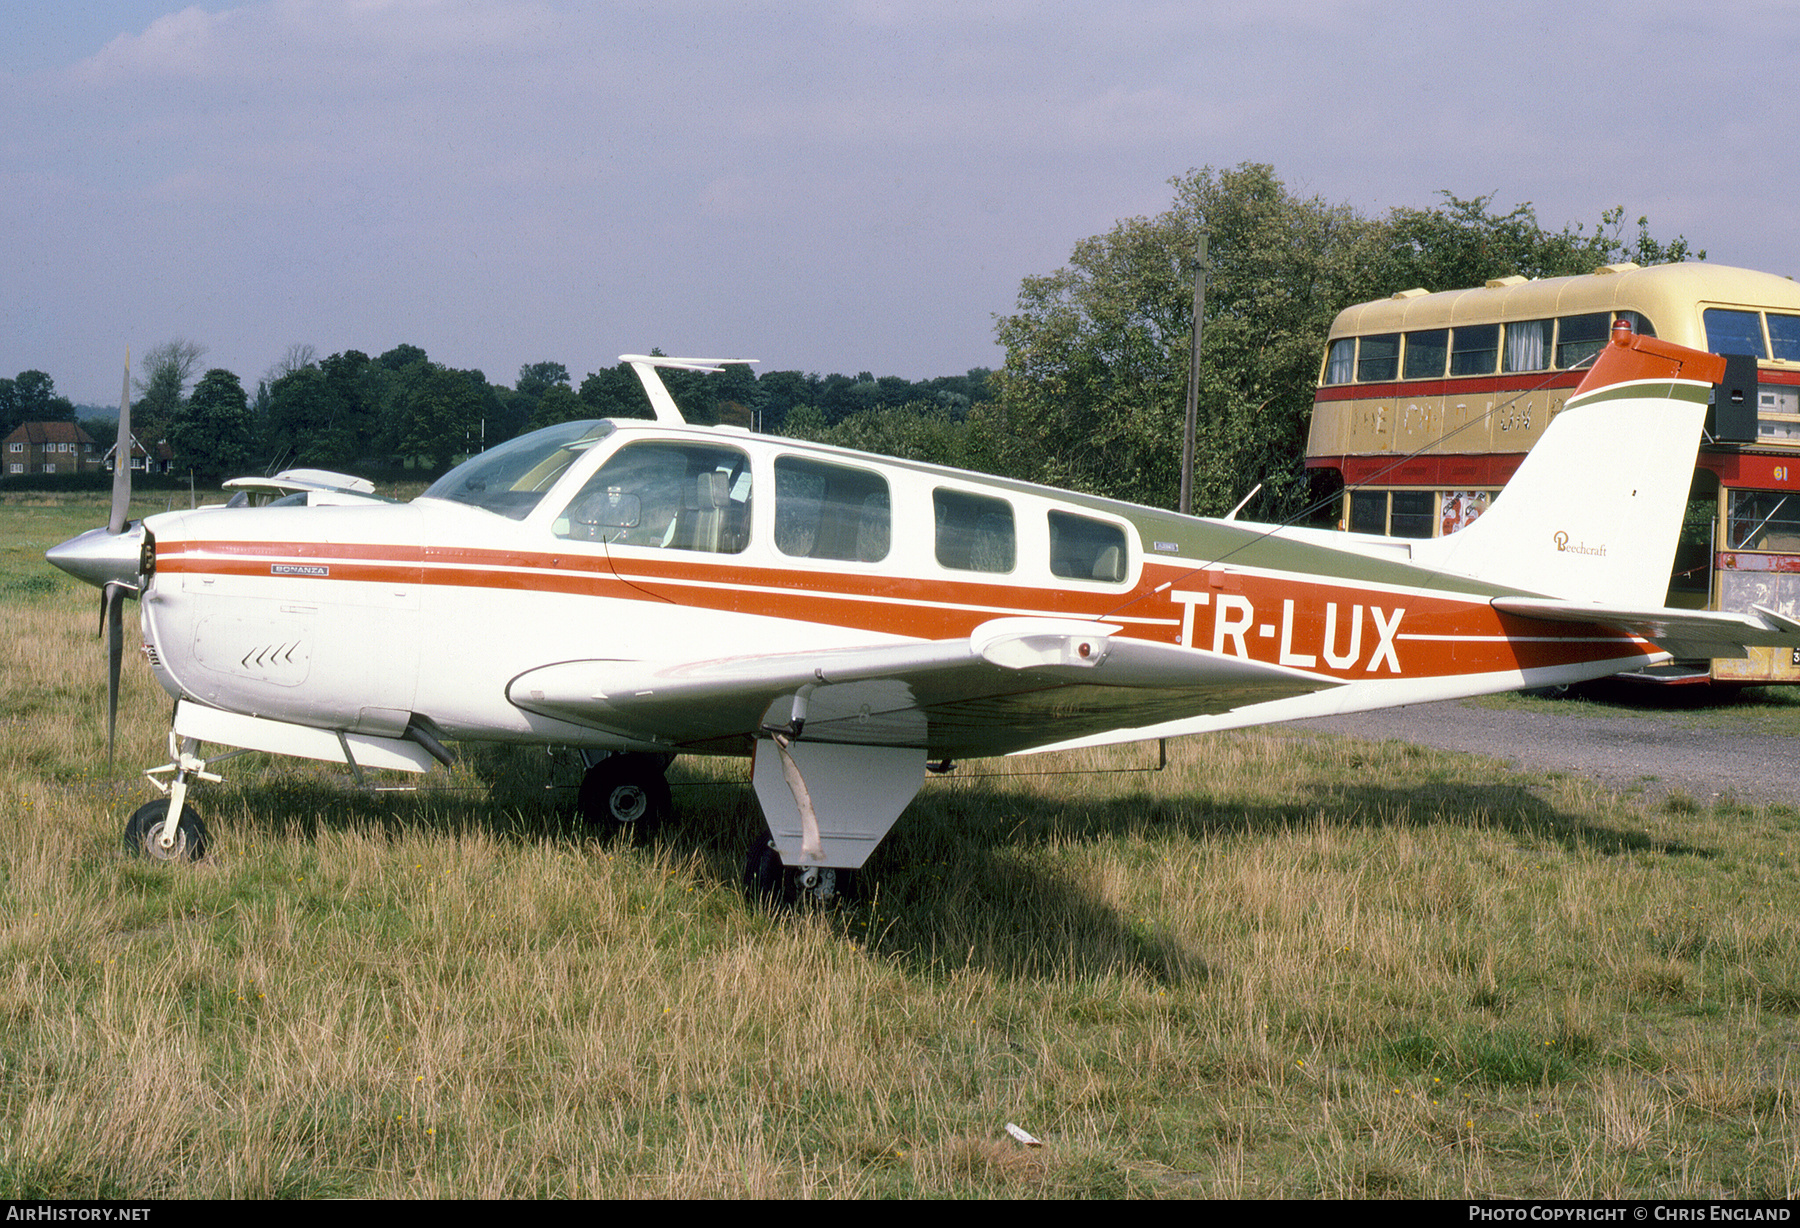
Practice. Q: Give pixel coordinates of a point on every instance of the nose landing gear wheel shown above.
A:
(143, 833)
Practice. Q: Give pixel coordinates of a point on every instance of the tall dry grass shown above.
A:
(1288, 965)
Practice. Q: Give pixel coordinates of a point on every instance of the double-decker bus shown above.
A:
(1428, 402)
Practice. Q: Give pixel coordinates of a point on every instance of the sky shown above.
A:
(850, 187)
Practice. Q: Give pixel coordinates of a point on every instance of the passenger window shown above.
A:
(1425, 353)
(1084, 549)
(1340, 361)
(1368, 512)
(1640, 323)
(1527, 346)
(1474, 349)
(1579, 338)
(830, 511)
(974, 532)
(1378, 358)
(669, 495)
(1784, 333)
(1733, 332)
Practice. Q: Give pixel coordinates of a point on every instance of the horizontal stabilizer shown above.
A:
(1684, 634)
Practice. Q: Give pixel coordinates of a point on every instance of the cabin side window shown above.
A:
(974, 532)
(675, 496)
(827, 511)
(1084, 549)
(1425, 352)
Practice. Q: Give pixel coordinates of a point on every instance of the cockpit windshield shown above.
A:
(511, 478)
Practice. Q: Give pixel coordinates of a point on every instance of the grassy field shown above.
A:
(1287, 965)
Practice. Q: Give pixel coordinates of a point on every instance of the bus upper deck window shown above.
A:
(1378, 358)
(1784, 336)
(1579, 338)
(1734, 332)
(1340, 361)
(1527, 345)
(1473, 349)
(1425, 353)
(1640, 323)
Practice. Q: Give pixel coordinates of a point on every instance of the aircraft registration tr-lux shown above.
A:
(639, 589)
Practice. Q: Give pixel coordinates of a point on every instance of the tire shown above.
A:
(769, 882)
(144, 829)
(627, 794)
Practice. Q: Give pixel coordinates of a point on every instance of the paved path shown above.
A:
(1655, 751)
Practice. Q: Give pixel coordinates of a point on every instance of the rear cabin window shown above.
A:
(974, 532)
(1084, 549)
(825, 511)
(1340, 361)
(675, 496)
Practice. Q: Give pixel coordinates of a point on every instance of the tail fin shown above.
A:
(1594, 511)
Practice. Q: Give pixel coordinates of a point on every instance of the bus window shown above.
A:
(1415, 513)
(1733, 332)
(1378, 358)
(1784, 335)
(1473, 349)
(1368, 512)
(1579, 338)
(1527, 345)
(1340, 361)
(1640, 323)
(1425, 353)
(1763, 520)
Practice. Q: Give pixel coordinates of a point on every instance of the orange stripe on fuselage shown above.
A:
(1329, 627)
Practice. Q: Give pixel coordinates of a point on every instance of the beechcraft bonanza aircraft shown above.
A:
(639, 589)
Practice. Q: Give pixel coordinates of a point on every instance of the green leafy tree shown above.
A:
(1095, 381)
(1093, 391)
(211, 432)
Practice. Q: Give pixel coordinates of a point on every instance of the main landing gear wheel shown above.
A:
(769, 881)
(626, 793)
(143, 833)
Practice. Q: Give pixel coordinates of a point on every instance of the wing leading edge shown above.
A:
(1013, 684)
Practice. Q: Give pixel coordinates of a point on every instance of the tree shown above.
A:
(211, 433)
(1093, 390)
(164, 373)
(1094, 385)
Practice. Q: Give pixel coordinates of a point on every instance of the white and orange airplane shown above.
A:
(639, 589)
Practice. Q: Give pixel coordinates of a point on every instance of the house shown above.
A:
(142, 460)
(50, 447)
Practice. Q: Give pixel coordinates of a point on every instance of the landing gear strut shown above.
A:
(626, 793)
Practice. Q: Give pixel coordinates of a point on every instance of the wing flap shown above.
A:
(1014, 683)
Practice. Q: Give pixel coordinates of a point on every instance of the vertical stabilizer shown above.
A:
(1594, 511)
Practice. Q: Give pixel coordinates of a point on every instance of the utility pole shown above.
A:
(1193, 388)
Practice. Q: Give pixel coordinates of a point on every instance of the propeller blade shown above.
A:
(121, 499)
(113, 613)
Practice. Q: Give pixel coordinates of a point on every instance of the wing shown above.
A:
(1013, 684)
(1683, 634)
